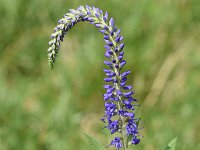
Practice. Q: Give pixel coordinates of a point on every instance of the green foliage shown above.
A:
(172, 144)
(44, 110)
(94, 143)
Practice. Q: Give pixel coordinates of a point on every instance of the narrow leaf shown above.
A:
(129, 139)
(172, 144)
(94, 143)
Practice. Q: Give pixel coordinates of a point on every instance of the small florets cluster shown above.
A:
(119, 102)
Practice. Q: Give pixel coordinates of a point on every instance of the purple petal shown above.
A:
(98, 25)
(88, 8)
(120, 57)
(135, 141)
(116, 98)
(90, 19)
(126, 73)
(130, 99)
(106, 71)
(117, 39)
(109, 42)
(117, 143)
(105, 27)
(97, 9)
(122, 63)
(105, 18)
(107, 86)
(106, 37)
(119, 92)
(111, 74)
(121, 38)
(112, 98)
(110, 52)
(110, 90)
(112, 32)
(121, 46)
(111, 22)
(107, 55)
(118, 32)
(116, 66)
(129, 114)
(114, 61)
(115, 81)
(103, 31)
(107, 96)
(127, 87)
(97, 15)
(126, 102)
(107, 47)
(121, 53)
(101, 12)
(116, 50)
(124, 79)
(108, 79)
(122, 83)
(128, 94)
(114, 29)
(108, 63)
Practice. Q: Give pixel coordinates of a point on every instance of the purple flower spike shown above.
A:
(119, 113)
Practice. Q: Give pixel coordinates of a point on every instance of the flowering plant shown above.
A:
(119, 104)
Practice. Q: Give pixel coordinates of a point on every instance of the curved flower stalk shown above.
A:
(119, 104)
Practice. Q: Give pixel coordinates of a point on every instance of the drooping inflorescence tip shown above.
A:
(50, 65)
(119, 113)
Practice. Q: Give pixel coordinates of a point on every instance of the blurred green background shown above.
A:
(48, 110)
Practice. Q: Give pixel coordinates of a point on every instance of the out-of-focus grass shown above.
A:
(46, 110)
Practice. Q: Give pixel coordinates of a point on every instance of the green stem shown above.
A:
(123, 139)
(119, 103)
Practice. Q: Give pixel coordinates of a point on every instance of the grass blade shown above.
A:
(172, 144)
(94, 143)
